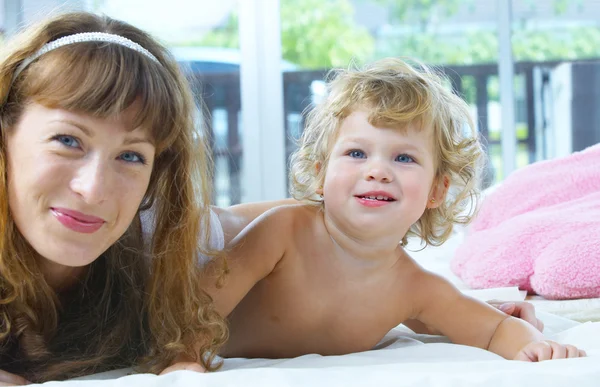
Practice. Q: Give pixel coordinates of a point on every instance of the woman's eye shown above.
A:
(357, 154)
(69, 141)
(405, 159)
(133, 157)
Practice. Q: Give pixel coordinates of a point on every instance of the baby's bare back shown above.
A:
(314, 302)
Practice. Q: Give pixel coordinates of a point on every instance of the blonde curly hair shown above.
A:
(397, 93)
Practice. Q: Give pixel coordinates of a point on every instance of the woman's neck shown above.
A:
(60, 277)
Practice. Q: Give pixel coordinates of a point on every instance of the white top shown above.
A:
(216, 239)
(217, 236)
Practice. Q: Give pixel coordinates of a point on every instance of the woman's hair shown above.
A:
(397, 94)
(140, 303)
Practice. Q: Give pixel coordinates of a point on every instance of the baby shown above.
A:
(389, 153)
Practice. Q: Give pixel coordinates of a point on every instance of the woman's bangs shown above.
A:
(104, 81)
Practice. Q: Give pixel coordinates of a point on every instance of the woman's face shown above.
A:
(75, 182)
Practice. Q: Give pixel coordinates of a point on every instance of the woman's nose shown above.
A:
(92, 182)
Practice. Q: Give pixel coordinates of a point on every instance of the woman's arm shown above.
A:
(235, 218)
(8, 379)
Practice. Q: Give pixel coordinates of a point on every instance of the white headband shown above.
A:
(84, 37)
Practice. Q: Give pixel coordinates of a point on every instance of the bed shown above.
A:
(437, 259)
(407, 359)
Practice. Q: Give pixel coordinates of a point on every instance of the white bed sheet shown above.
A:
(406, 359)
(403, 359)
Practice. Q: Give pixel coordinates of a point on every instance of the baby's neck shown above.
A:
(362, 248)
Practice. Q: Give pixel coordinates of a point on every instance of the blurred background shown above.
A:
(529, 69)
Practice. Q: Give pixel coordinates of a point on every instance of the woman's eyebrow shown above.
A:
(90, 133)
(137, 140)
(78, 125)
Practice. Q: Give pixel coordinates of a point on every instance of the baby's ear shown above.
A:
(438, 192)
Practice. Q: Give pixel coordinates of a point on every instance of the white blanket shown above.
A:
(403, 359)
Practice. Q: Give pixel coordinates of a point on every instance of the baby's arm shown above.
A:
(250, 256)
(520, 309)
(464, 320)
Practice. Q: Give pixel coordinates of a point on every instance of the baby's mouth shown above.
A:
(377, 198)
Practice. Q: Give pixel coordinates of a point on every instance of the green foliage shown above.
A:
(469, 48)
(225, 35)
(481, 46)
(421, 10)
(314, 34)
(322, 33)
(568, 43)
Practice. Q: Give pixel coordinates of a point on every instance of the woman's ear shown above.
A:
(438, 192)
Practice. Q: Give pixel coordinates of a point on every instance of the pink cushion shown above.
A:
(539, 230)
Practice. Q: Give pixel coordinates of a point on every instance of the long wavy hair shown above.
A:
(397, 93)
(140, 303)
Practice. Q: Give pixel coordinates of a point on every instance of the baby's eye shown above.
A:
(404, 159)
(66, 140)
(133, 157)
(357, 154)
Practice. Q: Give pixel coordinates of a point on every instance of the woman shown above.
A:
(96, 129)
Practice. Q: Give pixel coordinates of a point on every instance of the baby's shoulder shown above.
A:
(422, 281)
(285, 221)
(293, 214)
(412, 272)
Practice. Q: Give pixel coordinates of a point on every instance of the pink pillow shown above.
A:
(539, 230)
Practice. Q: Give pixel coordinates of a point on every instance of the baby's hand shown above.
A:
(548, 350)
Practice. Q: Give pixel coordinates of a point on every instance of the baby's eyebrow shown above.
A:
(403, 146)
(358, 140)
(411, 147)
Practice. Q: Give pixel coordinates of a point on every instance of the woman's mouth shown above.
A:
(77, 221)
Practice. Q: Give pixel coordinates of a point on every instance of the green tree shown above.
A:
(428, 11)
(322, 33)
(314, 34)
(226, 35)
(424, 12)
(529, 44)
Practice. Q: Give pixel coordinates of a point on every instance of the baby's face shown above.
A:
(378, 179)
